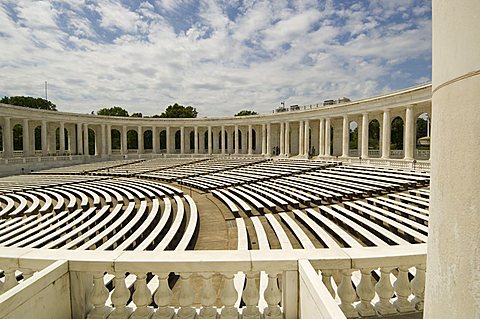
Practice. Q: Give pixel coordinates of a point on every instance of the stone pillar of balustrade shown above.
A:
(453, 263)
(365, 137)
(345, 136)
(409, 140)
(386, 132)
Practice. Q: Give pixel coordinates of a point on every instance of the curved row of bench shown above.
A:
(103, 214)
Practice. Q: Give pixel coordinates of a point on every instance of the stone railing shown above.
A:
(422, 154)
(320, 283)
(374, 153)
(396, 153)
(353, 153)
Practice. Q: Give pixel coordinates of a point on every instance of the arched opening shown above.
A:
(396, 137)
(18, 137)
(115, 137)
(225, 144)
(38, 138)
(253, 140)
(374, 138)
(148, 140)
(353, 138)
(57, 138)
(132, 140)
(422, 136)
(178, 140)
(192, 140)
(239, 140)
(91, 142)
(163, 140)
(331, 139)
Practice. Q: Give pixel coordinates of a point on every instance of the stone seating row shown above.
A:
(145, 166)
(88, 168)
(102, 214)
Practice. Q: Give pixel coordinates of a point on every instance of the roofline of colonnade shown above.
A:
(416, 95)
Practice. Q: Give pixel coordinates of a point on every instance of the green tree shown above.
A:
(137, 114)
(179, 111)
(113, 111)
(31, 102)
(397, 134)
(353, 139)
(246, 112)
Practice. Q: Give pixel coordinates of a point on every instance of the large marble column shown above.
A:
(409, 139)
(222, 139)
(453, 258)
(7, 139)
(86, 148)
(140, 146)
(235, 138)
(250, 139)
(182, 140)
(124, 145)
(26, 139)
(210, 146)
(321, 137)
(364, 149)
(44, 139)
(109, 139)
(264, 139)
(345, 137)
(195, 139)
(61, 133)
(287, 139)
(386, 131)
(79, 139)
(104, 140)
(306, 139)
(269, 140)
(327, 138)
(167, 140)
(282, 138)
(155, 144)
(300, 138)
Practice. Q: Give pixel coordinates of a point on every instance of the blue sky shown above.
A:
(218, 56)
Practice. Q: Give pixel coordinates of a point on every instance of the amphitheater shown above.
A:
(264, 216)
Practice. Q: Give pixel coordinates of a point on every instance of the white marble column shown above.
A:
(409, 140)
(195, 139)
(300, 138)
(44, 139)
(168, 143)
(222, 139)
(345, 136)
(264, 139)
(282, 138)
(155, 143)
(236, 139)
(249, 140)
(244, 141)
(306, 147)
(321, 137)
(140, 146)
(26, 139)
(104, 139)
(109, 139)
(269, 140)
(287, 139)
(386, 131)
(182, 140)
(7, 138)
(123, 139)
(365, 137)
(86, 148)
(61, 134)
(327, 138)
(453, 262)
(210, 146)
(79, 139)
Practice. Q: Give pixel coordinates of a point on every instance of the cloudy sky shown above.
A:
(218, 56)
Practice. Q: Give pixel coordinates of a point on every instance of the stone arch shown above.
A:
(422, 136)
(253, 140)
(353, 137)
(17, 137)
(132, 140)
(178, 140)
(192, 140)
(374, 138)
(396, 134)
(57, 138)
(115, 139)
(37, 134)
(148, 140)
(163, 139)
(92, 149)
(239, 139)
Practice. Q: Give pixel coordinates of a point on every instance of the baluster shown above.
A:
(384, 291)
(327, 281)
(403, 291)
(250, 297)
(10, 280)
(208, 298)
(142, 298)
(418, 287)
(162, 298)
(366, 292)
(99, 297)
(273, 296)
(186, 298)
(229, 297)
(120, 298)
(347, 294)
(27, 273)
